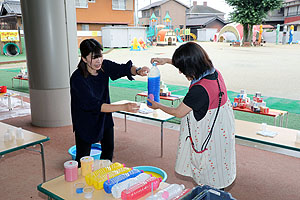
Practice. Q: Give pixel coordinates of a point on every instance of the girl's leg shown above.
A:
(82, 148)
(107, 144)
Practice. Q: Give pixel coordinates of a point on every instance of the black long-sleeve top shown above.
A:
(88, 95)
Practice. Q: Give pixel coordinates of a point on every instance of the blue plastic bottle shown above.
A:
(153, 84)
(107, 185)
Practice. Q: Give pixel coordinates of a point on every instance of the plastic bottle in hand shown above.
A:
(141, 189)
(153, 84)
(168, 193)
(117, 189)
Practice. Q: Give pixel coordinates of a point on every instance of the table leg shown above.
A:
(12, 82)
(43, 161)
(286, 123)
(125, 124)
(9, 103)
(161, 139)
(22, 102)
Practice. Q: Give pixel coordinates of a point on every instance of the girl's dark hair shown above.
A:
(88, 46)
(192, 60)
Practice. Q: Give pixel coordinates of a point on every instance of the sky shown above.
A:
(216, 4)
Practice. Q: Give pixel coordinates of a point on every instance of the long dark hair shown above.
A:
(192, 60)
(88, 46)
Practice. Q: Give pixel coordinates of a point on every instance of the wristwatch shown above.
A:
(137, 69)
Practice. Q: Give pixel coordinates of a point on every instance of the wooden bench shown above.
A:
(286, 138)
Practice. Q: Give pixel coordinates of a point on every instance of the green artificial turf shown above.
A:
(124, 89)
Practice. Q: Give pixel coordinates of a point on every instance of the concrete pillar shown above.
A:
(51, 51)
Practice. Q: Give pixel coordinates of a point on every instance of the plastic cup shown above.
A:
(79, 187)
(155, 114)
(88, 192)
(19, 134)
(7, 137)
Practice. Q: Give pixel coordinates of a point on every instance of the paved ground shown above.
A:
(272, 69)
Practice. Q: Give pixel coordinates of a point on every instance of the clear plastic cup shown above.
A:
(88, 192)
(79, 187)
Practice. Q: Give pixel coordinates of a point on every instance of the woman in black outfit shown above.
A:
(90, 103)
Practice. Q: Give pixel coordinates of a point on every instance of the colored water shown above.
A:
(153, 89)
(156, 175)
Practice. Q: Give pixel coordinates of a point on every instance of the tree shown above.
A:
(251, 12)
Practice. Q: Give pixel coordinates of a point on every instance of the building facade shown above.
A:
(175, 9)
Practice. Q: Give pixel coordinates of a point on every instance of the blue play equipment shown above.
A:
(179, 38)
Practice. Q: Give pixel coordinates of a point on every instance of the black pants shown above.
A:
(107, 144)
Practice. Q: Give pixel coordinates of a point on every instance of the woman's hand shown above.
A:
(143, 71)
(161, 61)
(132, 107)
(155, 105)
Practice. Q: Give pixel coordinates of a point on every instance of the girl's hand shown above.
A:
(160, 61)
(155, 105)
(144, 71)
(132, 107)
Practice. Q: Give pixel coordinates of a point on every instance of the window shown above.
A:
(81, 3)
(85, 27)
(156, 13)
(119, 4)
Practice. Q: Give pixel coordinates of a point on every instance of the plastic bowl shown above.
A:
(95, 151)
(154, 171)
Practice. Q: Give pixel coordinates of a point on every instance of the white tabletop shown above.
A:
(158, 116)
(14, 144)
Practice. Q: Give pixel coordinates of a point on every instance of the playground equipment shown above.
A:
(237, 30)
(167, 21)
(166, 37)
(291, 34)
(135, 45)
(10, 36)
(152, 31)
(142, 43)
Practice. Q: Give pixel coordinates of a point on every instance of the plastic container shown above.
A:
(3, 89)
(206, 192)
(79, 187)
(88, 192)
(117, 189)
(99, 180)
(91, 178)
(87, 163)
(71, 170)
(141, 189)
(107, 185)
(96, 151)
(153, 84)
(168, 193)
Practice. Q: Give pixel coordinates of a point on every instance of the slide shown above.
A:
(179, 38)
(193, 36)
